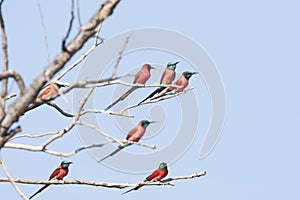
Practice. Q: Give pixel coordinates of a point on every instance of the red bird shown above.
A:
(134, 135)
(47, 94)
(50, 91)
(157, 175)
(141, 77)
(58, 174)
(183, 81)
(167, 78)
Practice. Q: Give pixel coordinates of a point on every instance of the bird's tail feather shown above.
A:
(40, 190)
(157, 91)
(121, 97)
(112, 153)
(135, 188)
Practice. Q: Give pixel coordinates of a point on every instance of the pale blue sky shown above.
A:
(254, 44)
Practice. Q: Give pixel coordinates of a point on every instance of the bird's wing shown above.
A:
(179, 82)
(153, 175)
(137, 76)
(163, 75)
(130, 135)
(54, 173)
(45, 92)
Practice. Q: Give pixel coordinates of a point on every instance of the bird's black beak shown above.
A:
(70, 162)
(195, 73)
(152, 67)
(176, 63)
(151, 122)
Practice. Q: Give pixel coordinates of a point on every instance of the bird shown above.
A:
(133, 136)
(167, 77)
(183, 81)
(156, 175)
(47, 94)
(141, 77)
(50, 91)
(58, 174)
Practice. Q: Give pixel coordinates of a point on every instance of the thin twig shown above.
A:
(120, 142)
(155, 100)
(195, 175)
(45, 31)
(78, 12)
(16, 76)
(99, 131)
(32, 136)
(105, 112)
(11, 180)
(82, 57)
(74, 121)
(114, 74)
(96, 43)
(69, 29)
(59, 109)
(26, 147)
(9, 96)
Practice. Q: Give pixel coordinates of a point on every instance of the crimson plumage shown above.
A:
(156, 175)
(167, 77)
(141, 77)
(58, 174)
(183, 82)
(133, 136)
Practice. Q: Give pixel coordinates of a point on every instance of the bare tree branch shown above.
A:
(32, 136)
(63, 45)
(120, 142)
(16, 109)
(155, 100)
(105, 112)
(5, 61)
(45, 31)
(59, 109)
(11, 180)
(16, 76)
(114, 74)
(82, 57)
(105, 184)
(74, 121)
(78, 12)
(26, 147)
(99, 131)
(195, 175)
(9, 96)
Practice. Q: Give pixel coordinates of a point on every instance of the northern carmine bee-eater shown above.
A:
(50, 92)
(167, 77)
(134, 136)
(58, 174)
(183, 81)
(141, 78)
(157, 175)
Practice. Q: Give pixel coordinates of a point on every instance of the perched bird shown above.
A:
(134, 136)
(167, 78)
(50, 92)
(183, 81)
(157, 175)
(58, 174)
(141, 78)
(46, 94)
